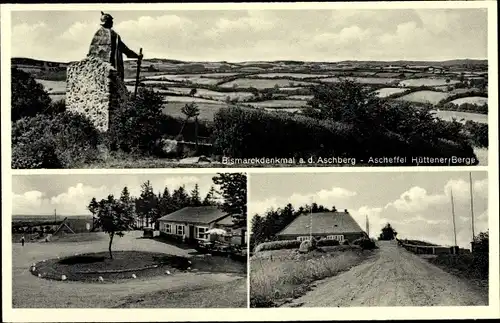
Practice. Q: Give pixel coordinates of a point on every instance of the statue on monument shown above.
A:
(108, 46)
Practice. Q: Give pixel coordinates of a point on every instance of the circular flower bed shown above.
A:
(99, 267)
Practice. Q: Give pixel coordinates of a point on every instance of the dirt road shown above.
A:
(392, 277)
(29, 291)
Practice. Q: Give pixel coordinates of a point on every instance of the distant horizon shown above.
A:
(275, 60)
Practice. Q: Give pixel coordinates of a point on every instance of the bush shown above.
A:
(327, 243)
(65, 140)
(365, 243)
(276, 245)
(137, 126)
(28, 97)
(346, 242)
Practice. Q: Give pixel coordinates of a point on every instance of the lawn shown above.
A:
(263, 83)
(426, 96)
(282, 275)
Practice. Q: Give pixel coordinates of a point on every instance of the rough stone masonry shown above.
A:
(95, 90)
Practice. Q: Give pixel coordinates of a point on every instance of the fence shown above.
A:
(428, 250)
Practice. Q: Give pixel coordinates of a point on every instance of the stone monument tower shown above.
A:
(95, 86)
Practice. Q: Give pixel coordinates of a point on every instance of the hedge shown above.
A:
(276, 245)
(365, 243)
(253, 133)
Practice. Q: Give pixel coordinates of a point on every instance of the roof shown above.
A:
(323, 223)
(198, 214)
(228, 221)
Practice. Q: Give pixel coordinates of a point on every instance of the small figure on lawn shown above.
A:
(22, 241)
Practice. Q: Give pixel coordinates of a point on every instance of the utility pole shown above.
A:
(310, 222)
(453, 215)
(471, 205)
(367, 227)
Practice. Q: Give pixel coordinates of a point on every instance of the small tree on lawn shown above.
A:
(113, 218)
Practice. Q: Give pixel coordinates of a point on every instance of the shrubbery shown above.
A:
(59, 141)
(276, 245)
(365, 243)
(28, 97)
(327, 243)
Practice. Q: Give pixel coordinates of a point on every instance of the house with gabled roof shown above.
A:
(192, 223)
(325, 225)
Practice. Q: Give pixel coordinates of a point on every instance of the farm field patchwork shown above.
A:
(186, 99)
(294, 75)
(363, 80)
(301, 97)
(289, 110)
(426, 82)
(220, 96)
(425, 96)
(263, 83)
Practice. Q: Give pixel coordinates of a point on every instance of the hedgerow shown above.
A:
(276, 245)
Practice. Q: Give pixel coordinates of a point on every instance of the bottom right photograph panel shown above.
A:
(345, 239)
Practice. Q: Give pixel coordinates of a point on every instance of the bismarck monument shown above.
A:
(95, 85)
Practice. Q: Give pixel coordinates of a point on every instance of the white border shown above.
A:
(138, 315)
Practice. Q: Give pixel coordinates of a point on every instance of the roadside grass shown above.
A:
(224, 295)
(471, 266)
(283, 275)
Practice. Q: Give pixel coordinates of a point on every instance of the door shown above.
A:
(191, 232)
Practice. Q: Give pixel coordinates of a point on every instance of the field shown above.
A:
(386, 91)
(207, 109)
(180, 289)
(263, 83)
(292, 75)
(449, 115)
(363, 80)
(53, 87)
(425, 96)
(478, 100)
(426, 82)
(278, 104)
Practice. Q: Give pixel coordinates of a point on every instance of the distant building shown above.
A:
(325, 225)
(193, 222)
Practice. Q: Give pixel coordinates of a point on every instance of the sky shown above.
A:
(416, 204)
(250, 35)
(70, 194)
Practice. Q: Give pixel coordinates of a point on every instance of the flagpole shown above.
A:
(453, 215)
(310, 221)
(471, 205)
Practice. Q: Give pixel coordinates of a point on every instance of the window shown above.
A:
(180, 230)
(303, 238)
(338, 237)
(167, 228)
(200, 232)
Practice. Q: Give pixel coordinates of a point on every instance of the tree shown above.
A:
(147, 203)
(210, 198)
(190, 110)
(113, 218)
(127, 201)
(193, 92)
(234, 191)
(165, 205)
(93, 207)
(28, 97)
(388, 233)
(180, 198)
(195, 196)
(482, 242)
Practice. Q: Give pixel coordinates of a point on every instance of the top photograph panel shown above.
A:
(249, 88)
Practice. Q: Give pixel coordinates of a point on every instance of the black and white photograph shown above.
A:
(249, 88)
(338, 240)
(129, 241)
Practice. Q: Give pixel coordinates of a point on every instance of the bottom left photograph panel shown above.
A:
(129, 241)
